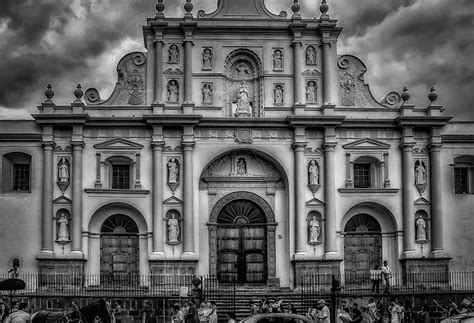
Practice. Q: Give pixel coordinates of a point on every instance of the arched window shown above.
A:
(464, 174)
(367, 172)
(16, 172)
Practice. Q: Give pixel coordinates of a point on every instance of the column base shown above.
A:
(298, 108)
(332, 255)
(438, 254)
(407, 254)
(60, 273)
(430, 274)
(173, 267)
(158, 108)
(188, 108)
(157, 255)
(313, 266)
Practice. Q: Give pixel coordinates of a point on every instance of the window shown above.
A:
(367, 172)
(361, 175)
(16, 172)
(460, 180)
(121, 176)
(464, 175)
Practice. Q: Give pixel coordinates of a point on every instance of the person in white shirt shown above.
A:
(20, 316)
(387, 274)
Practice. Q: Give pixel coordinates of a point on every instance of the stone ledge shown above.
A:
(115, 191)
(369, 190)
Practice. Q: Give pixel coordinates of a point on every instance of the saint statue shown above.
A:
(173, 229)
(244, 109)
(278, 94)
(173, 54)
(314, 230)
(243, 71)
(207, 94)
(420, 229)
(313, 172)
(63, 230)
(420, 174)
(63, 171)
(207, 59)
(310, 56)
(173, 91)
(311, 92)
(277, 60)
(173, 169)
(241, 166)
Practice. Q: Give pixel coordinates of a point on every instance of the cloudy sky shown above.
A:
(417, 43)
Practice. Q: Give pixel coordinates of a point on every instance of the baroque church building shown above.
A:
(241, 144)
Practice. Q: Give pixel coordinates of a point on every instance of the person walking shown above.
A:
(387, 274)
(20, 316)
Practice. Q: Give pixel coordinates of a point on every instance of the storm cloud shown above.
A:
(418, 43)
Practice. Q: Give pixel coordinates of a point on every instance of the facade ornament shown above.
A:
(62, 236)
(173, 91)
(277, 60)
(63, 174)
(174, 230)
(296, 7)
(313, 176)
(207, 59)
(311, 94)
(278, 93)
(173, 173)
(421, 227)
(160, 7)
(188, 7)
(323, 8)
(314, 229)
(347, 83)
(244, 108)
(241, 166)
(420, 175)
(405, 95)
(311, 58)
(49, 93)
(207, 93)
(78, 93)
(243, 136)
(135, 85)
(432, 96)
(173, 54)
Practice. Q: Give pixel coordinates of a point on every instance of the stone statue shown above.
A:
(241, 166)
(310, 55)
(173, 170)
(173, 54)
(314, 230)
(244, 109)
(243, 71)
(207, 59)
(420, 174)
(278, 94)
(173, 91)
(277, 60)
(313, 172)
(311, 92)
(63, 171)
(63, 229)
(173, 229)
(207, 94)
(420, 229)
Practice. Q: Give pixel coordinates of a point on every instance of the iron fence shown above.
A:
(223, 293)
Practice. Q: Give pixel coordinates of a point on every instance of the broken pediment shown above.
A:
(254, 9)
(367, 144)
(118, 143)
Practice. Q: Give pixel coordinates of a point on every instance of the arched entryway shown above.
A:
(119, 250)
(242, 243)
(362, 244)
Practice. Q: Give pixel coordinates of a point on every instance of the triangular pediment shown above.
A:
(173, 201)
(314, 202)
(62, 200)
(118, 143)
(367, 143)
(242, 9)
(422, 201)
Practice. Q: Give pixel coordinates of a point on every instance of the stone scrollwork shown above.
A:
(92, 96)
(392, 100)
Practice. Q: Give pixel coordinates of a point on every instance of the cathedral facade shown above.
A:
(239, 144)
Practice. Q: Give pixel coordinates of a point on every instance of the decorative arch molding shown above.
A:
(105, 211)
(379, 212)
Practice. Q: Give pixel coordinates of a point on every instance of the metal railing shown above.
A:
(223, 293)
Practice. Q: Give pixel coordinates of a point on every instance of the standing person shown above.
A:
(4, 312)
(264, 306)
(424, 315)
(387, 274)
(375, 276)
(372, 310)
(253, 308)
(343, 316)
(312, 313)
(396, 312)
(323, 315)
(192, 316)
(356, 314)
(178, 315)
(205, 310)
(19, 316)
(213, 314)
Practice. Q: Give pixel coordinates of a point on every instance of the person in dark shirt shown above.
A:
(356, 314)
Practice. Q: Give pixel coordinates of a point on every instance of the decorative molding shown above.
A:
(173, 200)
(62, 200)
(422, 201)
(367, 144)
(117, 144)
(369, 190)
(314, 202)
(116, 191)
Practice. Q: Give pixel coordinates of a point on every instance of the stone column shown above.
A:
(386, 181)
(77, 197)
(297, 77)
(407, 192)
(158, 197)
(330, 227)
(158, 70)
(188, 201)
(150, 70)
(47, 207)
(300, 219)
(188, 71)
(436, 199)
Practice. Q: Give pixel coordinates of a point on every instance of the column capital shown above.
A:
(158, 145)
(329, 146)
(299, 146)
(435, 146)
(77, 145)
(297, 43)
(188, 145)
(48, 145)
(407, 146)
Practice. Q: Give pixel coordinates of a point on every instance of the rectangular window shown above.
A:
(460, 180)
(21, 177)
(121, 176)
(361, 175)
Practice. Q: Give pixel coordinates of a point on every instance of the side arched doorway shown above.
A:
(362, 244)
(119, 250)
(242, 243)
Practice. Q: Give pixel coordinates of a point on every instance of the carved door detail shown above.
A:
(119, 250)
(362, 245)
(242, 243)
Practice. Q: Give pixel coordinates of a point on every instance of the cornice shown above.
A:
(21, 137)
(244, 122)
(315, 121)
(61, 119)
(422, 121)
(173, 120)
(457, 139)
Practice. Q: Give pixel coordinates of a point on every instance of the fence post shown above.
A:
(197, 291)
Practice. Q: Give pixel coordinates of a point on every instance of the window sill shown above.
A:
(16, 192)
(369, 190)
(115, 191)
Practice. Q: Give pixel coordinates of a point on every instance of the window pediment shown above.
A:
(62, 200)
(422, 201)
(118, 144)
(366, 144)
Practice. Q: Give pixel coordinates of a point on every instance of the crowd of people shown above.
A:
(17, 314)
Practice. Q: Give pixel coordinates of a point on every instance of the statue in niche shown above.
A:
(278, 94)
(173, 91)
(420, 173)
(277, 60)
(420, 229)
(63, 171)
(173, 228)
(173, 54)
(207, 93)
(63, 228)
(311, 92)
(310, 56)
(244, 109)
(314, 230)
(241, 166)
(207, 59)
(173, 170)
(243, 71)
(313, 173)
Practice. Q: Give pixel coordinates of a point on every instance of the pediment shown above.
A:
(422, 201)
(118, 143)
(367, 143)
(314, 202)
(62, 200)
(241, 9)
(173, 201)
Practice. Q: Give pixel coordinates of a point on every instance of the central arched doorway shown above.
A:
(119, 250)
(362, 244)
(242, 243)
